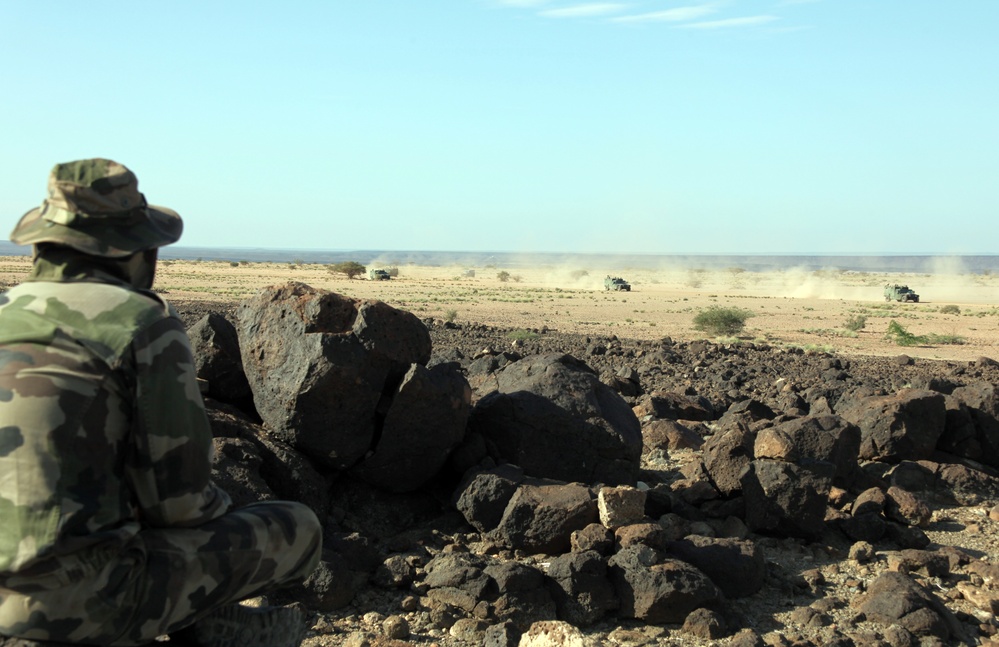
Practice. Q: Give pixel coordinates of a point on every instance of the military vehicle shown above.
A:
(378, 275)
(896, 292)
(616, 283)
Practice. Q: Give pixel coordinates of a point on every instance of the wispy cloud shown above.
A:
(747, 21)
(583, 10)
(679, 14)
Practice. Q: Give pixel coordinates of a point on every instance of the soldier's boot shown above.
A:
(236, 625)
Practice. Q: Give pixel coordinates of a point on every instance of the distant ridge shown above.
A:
(915, 264)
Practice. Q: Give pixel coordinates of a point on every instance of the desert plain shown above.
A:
(957, 311)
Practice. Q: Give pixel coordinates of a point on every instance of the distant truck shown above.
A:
(616, 283)
(897, 292)
(378, 275)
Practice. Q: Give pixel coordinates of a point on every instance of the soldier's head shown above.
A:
(94, 207)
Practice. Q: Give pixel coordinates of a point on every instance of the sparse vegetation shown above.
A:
(902, 337)
(451, 316)
(721, 321)
(522, 335)
(351, 269)
(503, 276)
(855, 323)
(950, 309)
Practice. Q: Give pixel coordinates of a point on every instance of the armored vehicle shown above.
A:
(896, 292)
(378, 275)
(616, 283)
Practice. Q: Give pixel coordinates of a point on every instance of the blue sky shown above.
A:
(738, 126)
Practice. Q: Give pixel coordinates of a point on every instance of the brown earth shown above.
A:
(789, 308)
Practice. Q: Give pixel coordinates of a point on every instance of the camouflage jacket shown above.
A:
(102, 427)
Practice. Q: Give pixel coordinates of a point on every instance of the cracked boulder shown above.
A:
(345, 382)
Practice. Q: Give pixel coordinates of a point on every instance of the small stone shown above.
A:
(396, 627)
(861, 552)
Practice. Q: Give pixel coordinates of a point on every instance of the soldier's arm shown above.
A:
(171, 455)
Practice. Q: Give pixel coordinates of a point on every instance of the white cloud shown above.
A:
(678, 14)
(582, 10)
(731, 22)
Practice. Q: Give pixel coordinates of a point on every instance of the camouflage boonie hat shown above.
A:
(95, 206)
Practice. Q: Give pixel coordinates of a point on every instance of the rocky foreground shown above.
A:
(503, 488)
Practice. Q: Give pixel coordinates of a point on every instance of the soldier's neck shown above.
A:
(68, 265)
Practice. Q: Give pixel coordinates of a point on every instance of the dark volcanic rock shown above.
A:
(319, 364)
(344, 381)
(555, 419)
(541, 517)
(787, 499)
(656, 590)
(581, 588)
(903, 426)
(217, 360)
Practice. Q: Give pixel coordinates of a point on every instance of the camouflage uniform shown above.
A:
(111, 530)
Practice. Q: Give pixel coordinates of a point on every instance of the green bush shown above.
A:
(450, 316)
(522, 335)
(349, 268)
(503, 276)
(950, 309)
(903, 337)
(721, 321)
(856, 323)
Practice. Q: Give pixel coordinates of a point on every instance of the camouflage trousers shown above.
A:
(167, 578)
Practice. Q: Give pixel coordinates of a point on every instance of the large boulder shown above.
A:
(483, 498)
(656, 590)
(579, 584)
(895, 599)
(215, 346)
(541, 516)
(982, 401)
(727, 454)
(553, 417)
(902, 426)
(736, 566)
(787, 499)
(826, 439)
(344, 381)
(424, 422)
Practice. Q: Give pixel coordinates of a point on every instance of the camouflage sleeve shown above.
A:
(170, 461)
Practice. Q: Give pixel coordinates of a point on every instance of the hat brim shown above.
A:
(156, 227)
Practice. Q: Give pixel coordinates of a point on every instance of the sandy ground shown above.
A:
(793, 308)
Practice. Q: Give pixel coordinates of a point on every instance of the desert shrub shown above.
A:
(503, 276)
(522, 335)
(350, 269)
(902, 337)
(516, 278)
(233, 263)
(855, 323)
(721, 321)
(950, 309)
(450, 316)
(934, 338)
